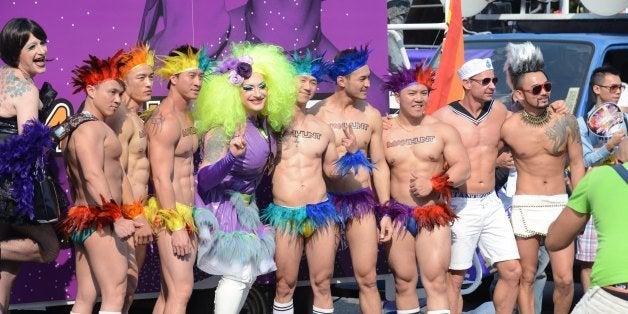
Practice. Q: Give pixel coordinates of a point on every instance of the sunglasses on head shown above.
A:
(536, 89)
(614, 88)
(485, 81)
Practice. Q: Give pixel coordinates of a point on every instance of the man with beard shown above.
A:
(540, 143)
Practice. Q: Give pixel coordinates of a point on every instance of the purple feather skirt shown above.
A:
(355, 204)
(402, 216)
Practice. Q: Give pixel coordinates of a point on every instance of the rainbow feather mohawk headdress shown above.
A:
(182, 59)
(138, 55)
(94, 72)
(310, 64)
(521, 59)
(349, 61)
(401, 79)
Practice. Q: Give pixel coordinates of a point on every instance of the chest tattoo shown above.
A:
(354, 125)
(411, 141)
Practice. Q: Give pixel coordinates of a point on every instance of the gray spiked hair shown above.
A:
(521, 59)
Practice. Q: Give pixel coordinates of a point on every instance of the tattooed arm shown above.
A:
(163, 136)
(217, 160)
(574, 150)
(24, 96)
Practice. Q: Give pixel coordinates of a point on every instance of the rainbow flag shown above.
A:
(447, 85)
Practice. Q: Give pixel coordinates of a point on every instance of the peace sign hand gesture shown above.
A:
(349, 141)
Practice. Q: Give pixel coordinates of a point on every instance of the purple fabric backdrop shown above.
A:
(78, 28)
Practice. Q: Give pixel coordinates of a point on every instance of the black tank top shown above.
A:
(8, 127)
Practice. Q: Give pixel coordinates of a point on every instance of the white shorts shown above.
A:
(482, 223)
(533, 214)
(598, 301)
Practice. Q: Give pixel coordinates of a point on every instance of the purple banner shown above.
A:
(76, 29)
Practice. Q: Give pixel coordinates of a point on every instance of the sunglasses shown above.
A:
(614, 88)
(485, 81)
(536, 89)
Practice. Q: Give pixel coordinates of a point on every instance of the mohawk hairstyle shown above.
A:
(310, 64)
(521, 59)
(184, 58)
(140, 54)
(401, 79)
(94, 72)
(348, 61)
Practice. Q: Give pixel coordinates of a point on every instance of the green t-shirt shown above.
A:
(604, 194)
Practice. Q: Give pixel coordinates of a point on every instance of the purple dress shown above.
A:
(232, 239)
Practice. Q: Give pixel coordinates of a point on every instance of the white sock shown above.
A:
(317, 310)
(108, 312)
(283, 308)
(438, 312)
(412, 311)
(230, 295)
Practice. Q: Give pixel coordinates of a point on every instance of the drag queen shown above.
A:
(250, 97)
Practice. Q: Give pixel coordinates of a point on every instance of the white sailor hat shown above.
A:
(473, 67)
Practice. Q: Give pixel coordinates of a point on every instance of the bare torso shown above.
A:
(183, 176)
(481, 142)
(418, 150)
(298, 177)
(130, 129)
(358, 117)
(539, 153)
(111, 162)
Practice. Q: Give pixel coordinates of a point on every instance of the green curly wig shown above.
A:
(219, 105)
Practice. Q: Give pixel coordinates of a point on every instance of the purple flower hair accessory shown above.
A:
(239, 69)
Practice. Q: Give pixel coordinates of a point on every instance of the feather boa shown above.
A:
(19, 156)
(430, 216)
(353, 162)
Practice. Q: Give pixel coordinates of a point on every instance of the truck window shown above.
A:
(566, 66)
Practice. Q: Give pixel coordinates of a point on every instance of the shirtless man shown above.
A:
(416, 148)
(540, 144)
(172, 142)
(302, 211)
(353, 196)
(481, 216)
(95, 224)
(137, 73)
